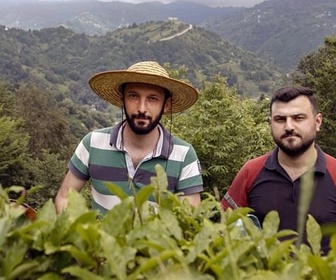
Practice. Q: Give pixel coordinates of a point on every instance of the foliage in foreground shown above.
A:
(137, 241)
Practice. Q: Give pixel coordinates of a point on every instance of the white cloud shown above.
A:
(215, 3)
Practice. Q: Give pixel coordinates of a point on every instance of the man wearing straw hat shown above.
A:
(126, 153)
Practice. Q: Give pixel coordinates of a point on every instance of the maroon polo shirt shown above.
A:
(263, 185)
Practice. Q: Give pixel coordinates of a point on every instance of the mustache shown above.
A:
(141, 116)
(289, 134)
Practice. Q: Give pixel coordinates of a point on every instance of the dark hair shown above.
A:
(166, 91)
(288, 93)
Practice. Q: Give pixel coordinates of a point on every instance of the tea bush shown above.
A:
(136, 240)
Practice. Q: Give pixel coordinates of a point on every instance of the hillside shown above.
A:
(62, 60)
(279, 31)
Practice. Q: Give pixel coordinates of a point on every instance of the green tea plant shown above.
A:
(136, 240)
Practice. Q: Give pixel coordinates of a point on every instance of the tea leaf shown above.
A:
(321, 267)
(278, 254)
(83, 258)
(116, 190)
(81, 273)
(314, 235)
(23, 269)
(143, 195)
(306, 194)
(271, 223)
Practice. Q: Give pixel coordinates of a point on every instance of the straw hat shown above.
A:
(107, 84)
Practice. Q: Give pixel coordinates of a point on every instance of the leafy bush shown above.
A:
(136, 240)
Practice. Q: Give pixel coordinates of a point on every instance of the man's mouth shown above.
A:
(290, 135)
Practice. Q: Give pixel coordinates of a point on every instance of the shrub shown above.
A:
(136, 240)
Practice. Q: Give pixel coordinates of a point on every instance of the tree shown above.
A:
(48, 170)
(13, 152)
(317, 70)
(43, 120)
(225, 130)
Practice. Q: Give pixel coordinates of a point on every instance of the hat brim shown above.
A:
(107, 86)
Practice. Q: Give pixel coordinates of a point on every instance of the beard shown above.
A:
(140, 127)
(293, 150)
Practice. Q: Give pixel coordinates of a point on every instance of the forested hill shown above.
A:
(278, 31)
(62, 61)
(281, 31)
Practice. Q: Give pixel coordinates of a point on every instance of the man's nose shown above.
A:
(142, 106)
(289, 125)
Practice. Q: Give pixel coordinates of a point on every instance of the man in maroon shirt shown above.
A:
(272, 181)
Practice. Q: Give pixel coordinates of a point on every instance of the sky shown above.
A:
(214, 3)
(218, 3)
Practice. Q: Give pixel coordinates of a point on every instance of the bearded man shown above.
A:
(273, 181)
(126, 154)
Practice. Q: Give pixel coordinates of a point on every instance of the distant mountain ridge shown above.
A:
(96, 18)
(280, 31)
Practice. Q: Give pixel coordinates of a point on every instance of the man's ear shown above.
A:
(168, 105)
(318, 120)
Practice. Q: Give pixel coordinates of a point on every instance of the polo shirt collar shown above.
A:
(164, 146)
(320, 164)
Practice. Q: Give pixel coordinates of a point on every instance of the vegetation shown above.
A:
(317, 70)
(225, 127)
(61, 61)
(279, 31)
(226, 130)
(44, 111)
(173, 240)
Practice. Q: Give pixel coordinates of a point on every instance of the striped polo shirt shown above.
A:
(100, 158)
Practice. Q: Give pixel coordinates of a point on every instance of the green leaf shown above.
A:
(117, 256)
(231, 216)
(4, 227)
(333, 243)
(314, 235)
(89, 234)
(116, 190)
(271, 223)
(306, 194)
(143, 195)
(321, 267)
(153, 262)
(81, 273)
(47, 212)
(278, 253)
(160, 182)
(23, 269)
(14, 256)
(76, 205)
(85, 219)
(119, 219)
(201, 241)
(171, 223)
(50, 276)
(82, 258)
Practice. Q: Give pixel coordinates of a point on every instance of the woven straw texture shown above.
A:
(107, 84)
